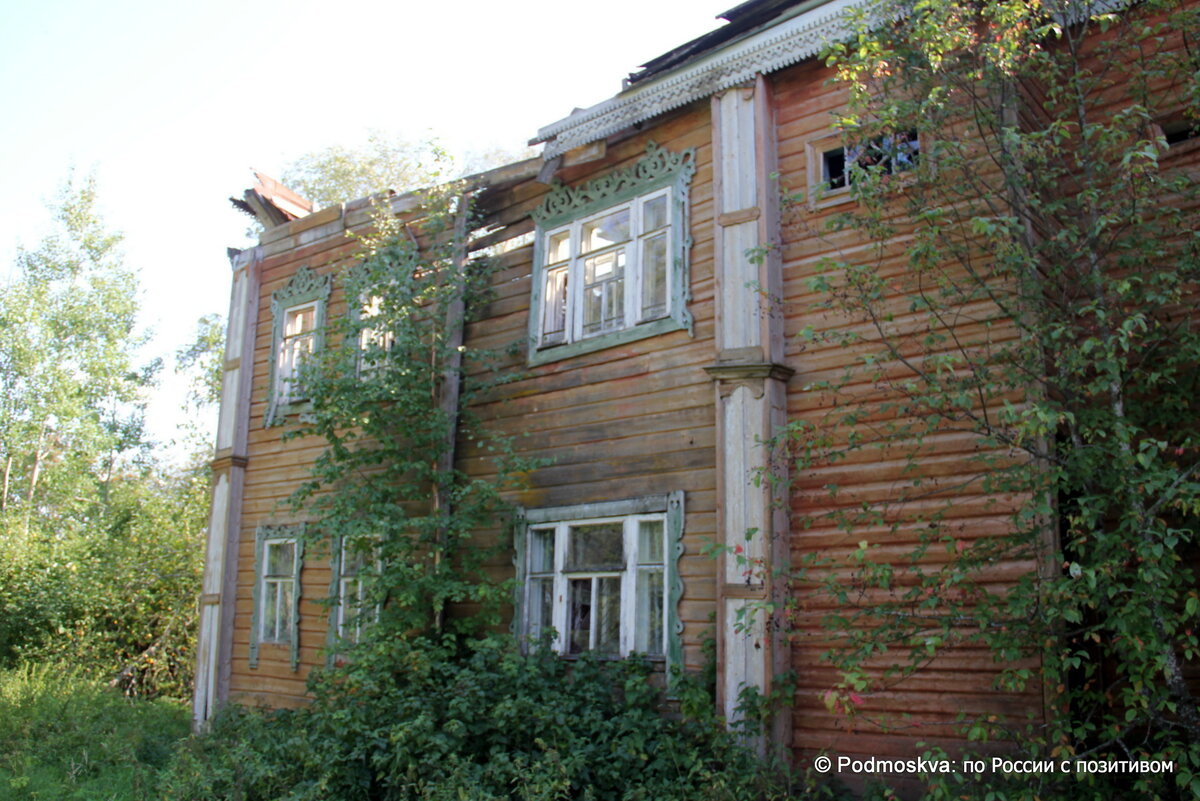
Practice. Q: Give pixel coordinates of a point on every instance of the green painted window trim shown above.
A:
(293, 532)
(658, 169)
(306, 286)
(670, 503)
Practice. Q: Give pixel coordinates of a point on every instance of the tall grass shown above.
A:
(65, 736)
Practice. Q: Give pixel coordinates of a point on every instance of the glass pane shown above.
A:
(608, 615)
(579, 616)
(270, 611)
(650, 542)
(554, 306)
(298, 321)
(654, 214)
(541, 551)
(608, 230)
(372, 307)
(281, 558)
(559, 247)
(354, 558)
(599, 546)
(604, 268)
(604, 292)
(654, 277)
(285, 612)
(648, 626)
(541, 606)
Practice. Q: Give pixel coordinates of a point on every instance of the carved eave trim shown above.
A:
(743, 372)
(774, 48)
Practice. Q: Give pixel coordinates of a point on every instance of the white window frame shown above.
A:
(634, 311)
(661, 174)
(370, 338)
(667, 510)
(349, 613)
(287, 390)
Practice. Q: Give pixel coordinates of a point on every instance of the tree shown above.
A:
(71, 388)
(340, 173)
(337, 174)
(100, 546)
(1022, 172)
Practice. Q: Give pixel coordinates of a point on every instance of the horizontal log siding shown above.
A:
(925, 707)
(627, 421)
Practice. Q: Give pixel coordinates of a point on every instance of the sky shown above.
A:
(172, 104)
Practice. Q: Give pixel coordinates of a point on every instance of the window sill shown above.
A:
(556, 353)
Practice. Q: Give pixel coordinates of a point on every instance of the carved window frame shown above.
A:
(264, 536)
(667, 507)
(566, 208)
(305, 288)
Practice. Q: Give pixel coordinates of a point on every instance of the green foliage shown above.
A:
(70, 386)
(337, 174)
(383, 398)
(203, 360)
(100, 547)
(1045, 305)
(64, 737)
(451, 718)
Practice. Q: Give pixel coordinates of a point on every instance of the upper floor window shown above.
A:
(298, 342)
(373, 341)
(832, 165)
(611, 258)
(298, 311)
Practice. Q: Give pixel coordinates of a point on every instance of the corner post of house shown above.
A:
(750, 382)
(215, 642)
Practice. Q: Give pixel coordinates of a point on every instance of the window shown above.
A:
(277, 560)
(351, 615)
(831, 165)
(602, 577)
(299, 341)
(299, 315)
(611, 259)
(373, 343)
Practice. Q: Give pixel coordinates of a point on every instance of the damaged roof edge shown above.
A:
(778, 37)
(278, 225)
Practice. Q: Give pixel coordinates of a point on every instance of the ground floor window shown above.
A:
(278, 557)
(603, 577)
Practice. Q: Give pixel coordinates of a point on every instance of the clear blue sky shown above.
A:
(172, 103)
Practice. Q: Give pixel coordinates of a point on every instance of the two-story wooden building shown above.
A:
(656, 292)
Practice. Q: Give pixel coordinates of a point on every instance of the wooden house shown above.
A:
(659, 357)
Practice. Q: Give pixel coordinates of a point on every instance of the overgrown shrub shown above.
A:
(447, 718)
(64, 736)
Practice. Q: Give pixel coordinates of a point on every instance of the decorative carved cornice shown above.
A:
(305, 285)
(742, 372)
(779, 46)
(658, 166)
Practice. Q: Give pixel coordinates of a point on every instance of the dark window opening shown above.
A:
(1178, 132)
(891, 154)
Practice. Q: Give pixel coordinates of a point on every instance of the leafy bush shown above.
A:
(64, 736)
(427, 718)
(117, 598)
